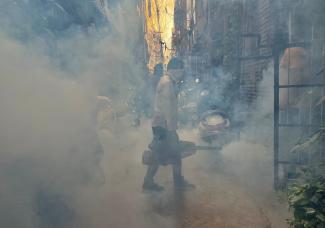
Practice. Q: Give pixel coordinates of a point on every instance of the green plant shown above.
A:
(307, 196)
(308, 202)
(309, 143)
(311, 147)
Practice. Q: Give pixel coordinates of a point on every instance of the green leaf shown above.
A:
(316, 198)
(320, 217)
(310, 210)
(305, 145)
(303, 202)
(299, 214)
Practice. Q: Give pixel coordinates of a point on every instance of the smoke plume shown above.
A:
(49, 79)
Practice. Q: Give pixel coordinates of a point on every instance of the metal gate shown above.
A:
(299, 90)
(299, 78)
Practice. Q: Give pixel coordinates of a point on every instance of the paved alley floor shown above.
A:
(232, 192)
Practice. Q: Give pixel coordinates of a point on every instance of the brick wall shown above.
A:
(257, 19)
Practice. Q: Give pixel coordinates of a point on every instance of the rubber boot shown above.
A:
(181, 183)
(150, 185)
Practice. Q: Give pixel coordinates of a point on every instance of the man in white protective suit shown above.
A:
(165, 143)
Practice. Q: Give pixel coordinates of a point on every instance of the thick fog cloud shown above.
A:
(49, 144)
(48, 137)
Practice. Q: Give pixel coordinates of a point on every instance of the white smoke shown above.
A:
(49, 144)
(251, 158)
